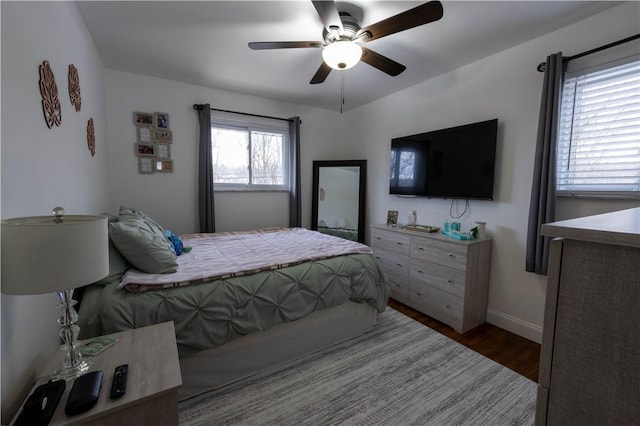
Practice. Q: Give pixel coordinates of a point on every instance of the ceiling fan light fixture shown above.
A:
(342, 55)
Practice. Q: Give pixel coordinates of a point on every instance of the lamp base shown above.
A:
(71, 372)
(73, 364)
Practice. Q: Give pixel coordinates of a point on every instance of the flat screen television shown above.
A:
(457, 162)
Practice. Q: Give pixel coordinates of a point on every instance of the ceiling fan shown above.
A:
(342, 36)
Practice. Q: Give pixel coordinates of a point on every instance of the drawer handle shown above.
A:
(450, 281)
(451, 255)
(399, 243)
(420, 272)
(419, 294)
(377, 238)
(448, 306)
(420, 248)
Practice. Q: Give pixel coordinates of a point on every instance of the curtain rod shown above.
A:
(198, 107)
(543, 65)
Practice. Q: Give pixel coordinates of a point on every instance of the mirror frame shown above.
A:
(362, 165)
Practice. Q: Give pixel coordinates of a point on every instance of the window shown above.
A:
(249, 156)
(599, 133)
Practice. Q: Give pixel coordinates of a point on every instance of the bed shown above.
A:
(240, 301)
(349, 234)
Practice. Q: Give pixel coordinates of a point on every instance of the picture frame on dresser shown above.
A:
(392, 218)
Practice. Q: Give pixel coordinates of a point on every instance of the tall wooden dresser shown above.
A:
(590, 360)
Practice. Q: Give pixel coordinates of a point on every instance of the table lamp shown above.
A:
(47, 254)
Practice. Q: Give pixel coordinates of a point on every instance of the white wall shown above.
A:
(43, 168)
(172, 197)
(506, 86)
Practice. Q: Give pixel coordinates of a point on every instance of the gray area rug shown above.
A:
(401, 373)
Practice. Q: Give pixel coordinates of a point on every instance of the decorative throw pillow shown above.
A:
(128, 212)
(142, 242)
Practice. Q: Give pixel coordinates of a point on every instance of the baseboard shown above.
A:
(515, 325)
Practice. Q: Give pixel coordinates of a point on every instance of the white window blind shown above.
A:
(599, 133)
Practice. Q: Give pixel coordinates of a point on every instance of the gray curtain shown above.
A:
(295, 203)
(542, 208)
(205, 171)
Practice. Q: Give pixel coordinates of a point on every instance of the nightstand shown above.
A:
(152, 383)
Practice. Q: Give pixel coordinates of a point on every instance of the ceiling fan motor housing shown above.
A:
(350, 27)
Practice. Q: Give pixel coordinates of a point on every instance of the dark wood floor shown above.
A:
(514, 352)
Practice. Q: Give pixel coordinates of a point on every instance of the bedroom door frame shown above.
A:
(326, 166)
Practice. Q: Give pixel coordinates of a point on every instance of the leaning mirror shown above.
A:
(339, 198)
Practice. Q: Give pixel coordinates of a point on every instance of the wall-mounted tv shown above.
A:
(457, 162)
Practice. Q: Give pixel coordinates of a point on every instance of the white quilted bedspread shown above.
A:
(224, 255)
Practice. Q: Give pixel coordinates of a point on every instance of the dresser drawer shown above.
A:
(391, 240)
(392, 263)
(438, 304)
(399, 286)
(441, 277)
(441, 252)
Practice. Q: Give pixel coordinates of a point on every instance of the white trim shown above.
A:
(515, 325)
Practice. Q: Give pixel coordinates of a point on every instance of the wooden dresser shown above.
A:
(590, 359)
(444, 278)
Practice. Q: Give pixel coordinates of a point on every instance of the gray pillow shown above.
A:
(128, 212)
(143, 243)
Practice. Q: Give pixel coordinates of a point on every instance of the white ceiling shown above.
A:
(205, 42)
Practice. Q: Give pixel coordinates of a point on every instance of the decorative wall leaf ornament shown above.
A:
(49, 91)
(91, 137)
(74, 87)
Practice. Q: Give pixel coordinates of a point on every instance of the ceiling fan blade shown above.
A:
(381, 62)
(420, 15)
(328, 14)
(263, 45)
(321, 75)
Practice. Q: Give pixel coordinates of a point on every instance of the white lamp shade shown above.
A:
(342, 55)
(41, 256)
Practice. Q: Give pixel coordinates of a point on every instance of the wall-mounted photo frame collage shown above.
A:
(153, 142)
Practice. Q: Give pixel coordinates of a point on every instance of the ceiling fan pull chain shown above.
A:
(342, 91)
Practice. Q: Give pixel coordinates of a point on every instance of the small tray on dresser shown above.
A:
(422, 228)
